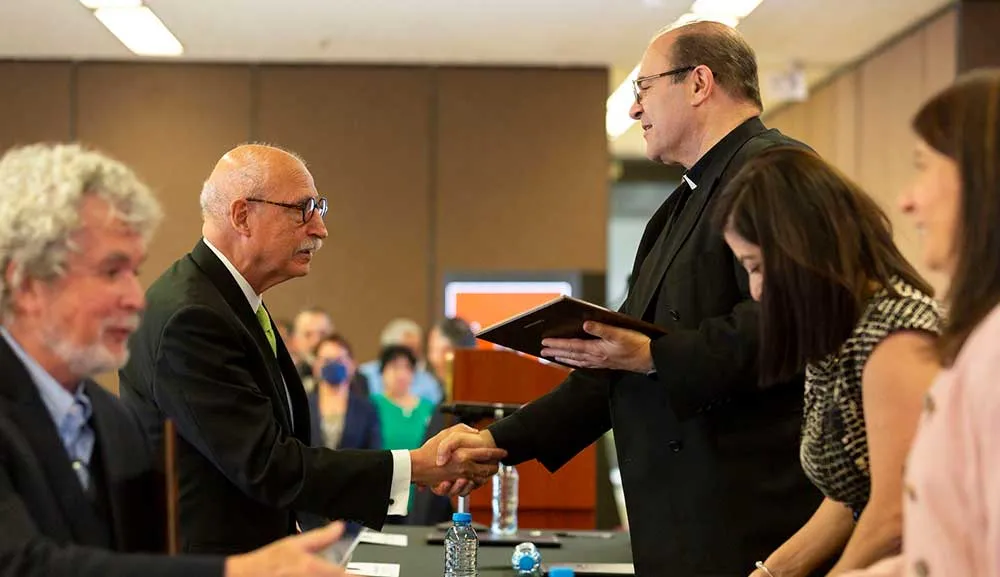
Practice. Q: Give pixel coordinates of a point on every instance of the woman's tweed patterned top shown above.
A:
(834, 449)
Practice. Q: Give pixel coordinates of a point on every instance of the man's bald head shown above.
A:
(248, 171)
(261, 210)
(719, 47)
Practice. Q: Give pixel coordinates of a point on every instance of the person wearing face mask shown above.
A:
(838, 298)
(951, 503)
(207, 357)
(341, 419)
(309, 327)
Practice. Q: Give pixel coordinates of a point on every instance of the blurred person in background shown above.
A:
(284, 329)
(341, 418)
(407, 333)
(402, 414)
(444, 338)
(309, 327)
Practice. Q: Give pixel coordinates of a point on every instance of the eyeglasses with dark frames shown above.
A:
(307, 207)
(638, 89)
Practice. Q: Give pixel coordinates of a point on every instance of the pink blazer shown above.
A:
(951, 524)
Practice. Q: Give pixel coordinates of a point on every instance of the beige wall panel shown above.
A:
(790, 120)
(34, 102)
(844, 118)
(521, 170)
(940, 45)
(821, 125)
(170, 123)
(365, 133)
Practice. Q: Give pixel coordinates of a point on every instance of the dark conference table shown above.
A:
(418, 559)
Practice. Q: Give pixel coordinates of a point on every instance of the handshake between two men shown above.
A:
(456, 461)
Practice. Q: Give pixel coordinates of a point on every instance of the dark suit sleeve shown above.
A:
(25, 552)
(558, 425)
(203, 383)
(715, 362)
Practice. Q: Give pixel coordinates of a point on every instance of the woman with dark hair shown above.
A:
(952, 504)
(341, 417)
(404, 416)
(839, 301)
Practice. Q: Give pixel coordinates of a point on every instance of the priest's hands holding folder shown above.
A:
(614, 348)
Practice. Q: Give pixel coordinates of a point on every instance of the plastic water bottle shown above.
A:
(561, 572)
(461, 548)
(526, 561)
(505, 501)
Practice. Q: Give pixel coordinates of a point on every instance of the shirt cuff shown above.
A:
(399, 491)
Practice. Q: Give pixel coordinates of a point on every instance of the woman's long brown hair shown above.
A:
(825, 245)
(963, 123)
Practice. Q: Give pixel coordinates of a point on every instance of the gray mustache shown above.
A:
(312, 245)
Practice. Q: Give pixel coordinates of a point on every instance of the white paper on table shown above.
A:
(374, 569)
(378, 538)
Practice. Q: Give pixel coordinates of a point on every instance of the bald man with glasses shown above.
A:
(208, 357)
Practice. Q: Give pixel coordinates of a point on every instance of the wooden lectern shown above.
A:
(564, 500)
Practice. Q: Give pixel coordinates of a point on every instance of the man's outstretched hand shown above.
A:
(470, 464)
(452, 447)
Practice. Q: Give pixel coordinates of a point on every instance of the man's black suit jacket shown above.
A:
(201, 358)
(709, 459)
(48, 525)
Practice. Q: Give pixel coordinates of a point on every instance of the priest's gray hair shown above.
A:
(42, 187)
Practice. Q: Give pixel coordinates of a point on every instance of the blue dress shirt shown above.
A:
(70, 412)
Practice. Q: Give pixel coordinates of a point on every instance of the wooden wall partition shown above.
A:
(521, 170)
(366, 134)
(860, 120)
(36, 102)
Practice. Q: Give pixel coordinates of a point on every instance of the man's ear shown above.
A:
(24, 290)
(239, 216)
(702, 84)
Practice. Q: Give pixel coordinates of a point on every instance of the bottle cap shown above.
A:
(461, 517)
(526, 563)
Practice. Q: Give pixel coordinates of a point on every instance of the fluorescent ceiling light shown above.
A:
(617, 121)
(140, 31)
(95, 4)
(738, 9)
(690, 17)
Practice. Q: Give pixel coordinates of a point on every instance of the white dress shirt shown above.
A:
(399, 490)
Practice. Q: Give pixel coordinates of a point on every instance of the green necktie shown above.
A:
(265, 323)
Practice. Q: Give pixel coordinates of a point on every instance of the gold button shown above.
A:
(921, 568)
(929, 404)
